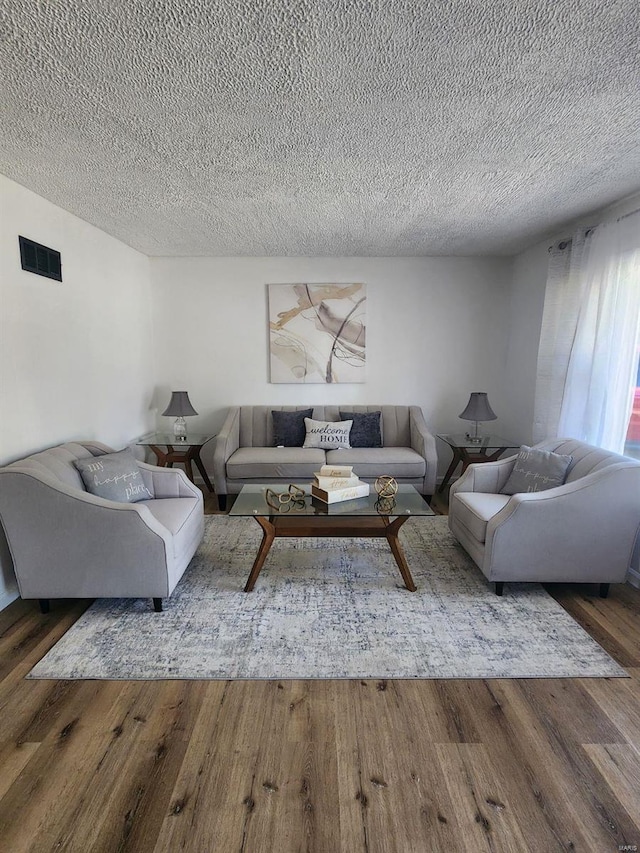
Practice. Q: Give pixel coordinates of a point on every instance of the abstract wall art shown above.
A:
(317, 332)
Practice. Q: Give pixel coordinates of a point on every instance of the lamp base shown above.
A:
(476, 439)
(180, 429)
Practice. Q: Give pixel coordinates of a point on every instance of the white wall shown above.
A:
(75, 356)
(528, 283)
(437, 329)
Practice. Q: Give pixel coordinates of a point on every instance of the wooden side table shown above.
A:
(184, 452)
(467, 452)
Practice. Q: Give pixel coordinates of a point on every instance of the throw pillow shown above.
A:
(365, 431)
(114, 476)
(327, 435)
(536, 470)
(288, 427)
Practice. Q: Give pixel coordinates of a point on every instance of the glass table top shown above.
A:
(167, 438)
(487, 442)
(252, 501)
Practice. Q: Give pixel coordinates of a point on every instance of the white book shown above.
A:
(330, 483)
(336, 495)
(336, 471)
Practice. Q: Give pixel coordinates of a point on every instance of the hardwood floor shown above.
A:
(327, 766)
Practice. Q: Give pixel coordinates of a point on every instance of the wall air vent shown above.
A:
(40, 259)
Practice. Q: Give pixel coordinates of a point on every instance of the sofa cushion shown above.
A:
(327, 434)
(476, 509)
(269, 463)
(376, 461)
(288, 427)
(365, 431)
(113, 476)
(536, 470)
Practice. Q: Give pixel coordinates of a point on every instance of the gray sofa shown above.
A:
(580, 532)
(68, 543)
(245, 453)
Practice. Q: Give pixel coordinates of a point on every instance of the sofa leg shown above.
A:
(499, 587)
(604, 590)
(157, 605)
(222, 502)
(44, 605)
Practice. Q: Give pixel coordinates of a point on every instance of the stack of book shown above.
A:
(335, 483)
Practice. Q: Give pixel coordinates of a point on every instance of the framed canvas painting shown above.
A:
(317, 332)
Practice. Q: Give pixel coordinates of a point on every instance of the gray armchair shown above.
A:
(582, 531)
(68, 543)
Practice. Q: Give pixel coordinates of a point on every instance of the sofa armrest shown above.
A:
(488, 477)
(227, 442)
(551, 528)
(168, 482)
(424, 442)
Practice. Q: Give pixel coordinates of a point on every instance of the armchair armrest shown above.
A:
(168, 482)
(488, 477)
(424, 442)
(227, 442)
(560, 530)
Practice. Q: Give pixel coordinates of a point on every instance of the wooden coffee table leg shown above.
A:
(396, 549)
(269, 532)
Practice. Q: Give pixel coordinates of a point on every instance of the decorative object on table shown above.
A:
(386, 486)
(332, 609)
(478, 409)
(284, 501)
(179, 408)
(317, 332)
(335, 483)
(385, 506)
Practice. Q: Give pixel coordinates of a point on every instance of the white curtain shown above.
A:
(559, 321)
(591, 336)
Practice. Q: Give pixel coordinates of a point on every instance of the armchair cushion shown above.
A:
(476, 509)
(536, 470)
(113, 476)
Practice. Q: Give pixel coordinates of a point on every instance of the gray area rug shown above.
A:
(330, 608)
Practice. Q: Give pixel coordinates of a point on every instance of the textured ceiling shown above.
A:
(345, 127)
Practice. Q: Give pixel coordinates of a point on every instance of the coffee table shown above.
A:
(359, 518)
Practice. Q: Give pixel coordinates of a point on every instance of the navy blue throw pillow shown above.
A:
(288, 427)
(365, 431)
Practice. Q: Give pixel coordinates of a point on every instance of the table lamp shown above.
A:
(478, 409)
(179, 407)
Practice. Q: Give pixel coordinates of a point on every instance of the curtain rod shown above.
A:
(562, 245)
(631, 213)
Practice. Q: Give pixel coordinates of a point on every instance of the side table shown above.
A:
(468, 452)
(184, 452)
